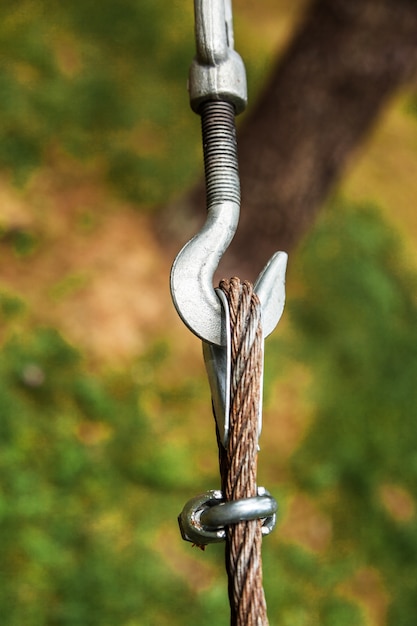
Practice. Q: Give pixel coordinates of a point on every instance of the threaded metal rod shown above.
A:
(220, 153)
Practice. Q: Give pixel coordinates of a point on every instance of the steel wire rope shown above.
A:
(238, 462)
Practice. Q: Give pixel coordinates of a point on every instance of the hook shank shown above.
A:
(193, 269)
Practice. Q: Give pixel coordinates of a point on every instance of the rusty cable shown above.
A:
(238, 463)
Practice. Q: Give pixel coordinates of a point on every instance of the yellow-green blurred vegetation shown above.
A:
(105, 421)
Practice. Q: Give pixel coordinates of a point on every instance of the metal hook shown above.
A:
(192, 274)
(218, 92)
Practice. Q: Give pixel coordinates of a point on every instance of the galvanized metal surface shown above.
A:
(217, 72)
(203, 518)
(214, 77)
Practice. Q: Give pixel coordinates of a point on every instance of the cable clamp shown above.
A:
(204, 518)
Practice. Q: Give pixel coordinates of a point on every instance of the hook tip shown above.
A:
(270, 287)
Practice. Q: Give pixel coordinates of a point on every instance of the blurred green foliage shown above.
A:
(95, 465)
(92, 476)
(84, 486)
(357, 331)
(99, 83)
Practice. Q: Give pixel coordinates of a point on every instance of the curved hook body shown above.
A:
(192, 273)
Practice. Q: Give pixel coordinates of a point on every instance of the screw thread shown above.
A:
(220, 152)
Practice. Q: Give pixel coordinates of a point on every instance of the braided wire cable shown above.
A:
(238, 464)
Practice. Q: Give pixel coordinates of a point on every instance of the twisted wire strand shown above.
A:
(238, 464)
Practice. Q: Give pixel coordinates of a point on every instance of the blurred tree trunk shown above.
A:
(324, 95)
